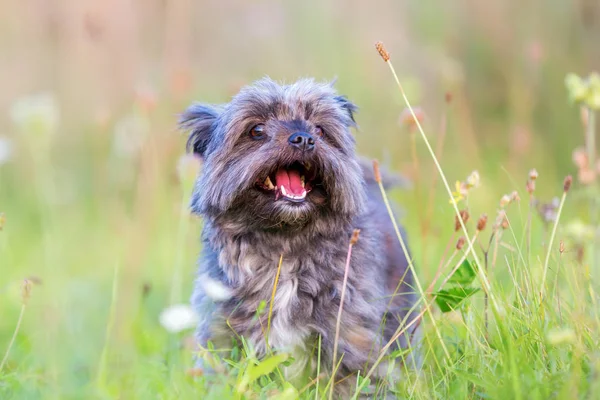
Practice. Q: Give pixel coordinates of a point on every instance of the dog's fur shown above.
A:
(246, 229)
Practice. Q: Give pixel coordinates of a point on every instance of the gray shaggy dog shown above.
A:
(281, 177)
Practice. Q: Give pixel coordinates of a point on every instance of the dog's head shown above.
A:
(276, 156)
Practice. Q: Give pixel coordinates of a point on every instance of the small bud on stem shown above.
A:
(533, 174)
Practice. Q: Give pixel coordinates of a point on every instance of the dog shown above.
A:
(281, 178)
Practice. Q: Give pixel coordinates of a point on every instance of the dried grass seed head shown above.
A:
(567, 183)
(464, 215)
(460, 243)
(530, 186)
(482, 222)
(382, 51)
(376, 171)
(354, 237)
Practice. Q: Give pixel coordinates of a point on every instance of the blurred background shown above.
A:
(93, 185)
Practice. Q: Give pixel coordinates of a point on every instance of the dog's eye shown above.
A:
(257, 132)
(319, 131)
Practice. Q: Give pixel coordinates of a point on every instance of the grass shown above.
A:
(111, 252)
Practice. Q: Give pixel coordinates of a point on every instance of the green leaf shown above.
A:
(464, 275)
(265, 367)
(450, 299)
(289, 361)
(363, 383)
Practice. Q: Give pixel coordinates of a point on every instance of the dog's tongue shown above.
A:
(290, 179)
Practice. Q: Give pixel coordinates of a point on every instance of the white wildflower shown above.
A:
(178, 317)
(473, 180)
(6, 149)
(129, 135)
(37, 114)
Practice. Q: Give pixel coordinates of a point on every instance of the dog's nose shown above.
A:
(302, 140)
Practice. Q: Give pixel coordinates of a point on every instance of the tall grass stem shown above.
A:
(551, 246)
(101, 377)
(13, 338)
(338, 322)
(275, 283)
(485, 283)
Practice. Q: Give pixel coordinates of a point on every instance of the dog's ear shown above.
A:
(199, 120)
(347, 106)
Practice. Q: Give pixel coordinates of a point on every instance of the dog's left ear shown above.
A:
(347, 106)
(200, 120)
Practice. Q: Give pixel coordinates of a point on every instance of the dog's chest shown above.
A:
(305, 284)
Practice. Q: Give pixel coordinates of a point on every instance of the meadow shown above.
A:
(98, 248)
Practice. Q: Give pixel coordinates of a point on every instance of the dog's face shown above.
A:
(276, 156)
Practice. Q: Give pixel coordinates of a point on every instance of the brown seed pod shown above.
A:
(482, 222)
(464, 215)
(567, 183)
(354, 238)
(376, 171)
(382, 51)
(530, 187)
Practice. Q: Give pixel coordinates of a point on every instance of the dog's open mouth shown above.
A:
(292, 183)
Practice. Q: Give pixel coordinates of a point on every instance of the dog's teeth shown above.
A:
(281, 191)
(296, 197)
(269, 184)
(302, 180)
(307, 166)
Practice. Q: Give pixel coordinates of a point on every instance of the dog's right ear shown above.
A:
(200, 120)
